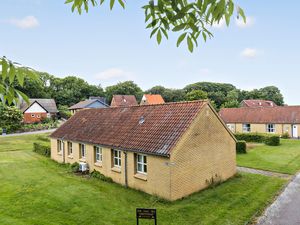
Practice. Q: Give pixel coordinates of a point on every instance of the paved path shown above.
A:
(286, 209)
(32, 132)
(264, 172)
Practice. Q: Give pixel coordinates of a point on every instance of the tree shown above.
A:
(271, 93)
(196, 95)
(190, 19)
(10, 117)
(169, 95)
(124, 88)
(10, 74)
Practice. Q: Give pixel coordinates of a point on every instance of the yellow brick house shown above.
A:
(275, 120)
(170, 150)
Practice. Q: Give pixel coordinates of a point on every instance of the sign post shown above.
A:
(149, 214)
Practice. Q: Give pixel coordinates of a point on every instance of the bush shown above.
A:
(42, 149)
(75, 167)
(43, 138)
(241, 147)
(285, 135)
(100, 176)
(273, 140)
(268, 139)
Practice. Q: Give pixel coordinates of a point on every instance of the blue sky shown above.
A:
(105, 47)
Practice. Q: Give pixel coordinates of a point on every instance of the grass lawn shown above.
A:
(284, 158)
(36, 190)
(17, 143)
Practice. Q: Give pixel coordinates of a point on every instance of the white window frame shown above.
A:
(32, 115)
(38, 116)
(98, 154)
(271, 128)
(141, 159)
(60, 146)
(246, 129)
(70, 148)
(117, 159)
(82, 149)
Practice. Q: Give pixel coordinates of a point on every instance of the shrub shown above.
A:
(268, 139)
(10, 118)
(100, 176)
(241, 147)
(285, 135)
(43, 138)
(42, 149)
(273, 140)
(75, 167)
(46, 120)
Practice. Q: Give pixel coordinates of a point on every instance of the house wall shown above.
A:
(261, 128)
(156, 182)
(206, 151)
(28, 117)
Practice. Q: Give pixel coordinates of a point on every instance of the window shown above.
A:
(117, 158)
(32, 115)
(141, 166)
(98, 154)
(246, 127)
(271, 128)
(231, 127)
(60, 145)
(70, 148)
(82, 151)
(38, 116)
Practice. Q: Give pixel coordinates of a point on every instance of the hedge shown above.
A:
(42, 149)
(268, 139)
(241, 147)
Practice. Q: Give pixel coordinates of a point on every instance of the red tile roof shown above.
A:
(152, 129)
(279, 115)
(123, 101)
(258, 103)
(152, 99)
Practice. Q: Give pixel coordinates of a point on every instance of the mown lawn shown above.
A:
(284, 158)
(36, 190)
(20, 143)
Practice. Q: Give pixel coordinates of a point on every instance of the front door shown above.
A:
(295, 131)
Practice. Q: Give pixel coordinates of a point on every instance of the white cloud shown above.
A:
(249, 22)
(249, 53)
(27, 22)
(113, 73)
(219, 25)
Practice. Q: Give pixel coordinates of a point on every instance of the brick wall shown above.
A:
(28, 117)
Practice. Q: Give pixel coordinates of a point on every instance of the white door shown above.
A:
(295, 131)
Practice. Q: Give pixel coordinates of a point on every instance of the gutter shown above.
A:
(125, 169)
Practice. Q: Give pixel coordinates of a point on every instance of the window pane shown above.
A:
(119, 162)
(115, 161)
(139, 158)
(145, 168)
(140, 167)
(145, 159)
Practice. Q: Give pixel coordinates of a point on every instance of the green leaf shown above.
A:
(190, 44)
(121, 2)
(153, 32)
(4, 69)
(180, 39)
(241, 12)
(20, 77)
(204, 36)
(164, 32)
(12, 73)
(112, 2)
(158, 37)
(22, 96)
(179, 27)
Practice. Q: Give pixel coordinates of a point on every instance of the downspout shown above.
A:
(125, 169)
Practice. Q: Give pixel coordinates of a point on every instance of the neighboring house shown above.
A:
(91, 103)
(254, 103)
(171, 150)
(123, 101)
(149, 99)
(276, 120)
(38, 109)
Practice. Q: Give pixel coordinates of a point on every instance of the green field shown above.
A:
(36, 190)
(284, 158)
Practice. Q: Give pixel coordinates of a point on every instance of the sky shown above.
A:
(105, 47)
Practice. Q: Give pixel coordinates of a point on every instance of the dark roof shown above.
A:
(48, 104)
(258, 103)
(123, 101)
(279, 114)
(152, 129)
(153, 99)
(86, 103)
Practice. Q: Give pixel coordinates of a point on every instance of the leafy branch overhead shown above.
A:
(190, 19)
(10, 73)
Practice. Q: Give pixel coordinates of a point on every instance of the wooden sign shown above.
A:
(149, 214)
